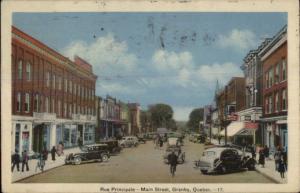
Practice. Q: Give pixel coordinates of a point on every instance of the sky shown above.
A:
(149, 58)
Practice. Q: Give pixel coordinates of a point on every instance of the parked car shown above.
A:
(223, 159)
(98, 152)
(178, 152)
(129, 141)
(113, 146)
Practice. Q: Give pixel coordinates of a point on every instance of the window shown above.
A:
(270, 104)
(47, 105)
(70, 110)
(36, 103)
(74, 89)
(65, 109)
(53, 81)
(277, 69)
(20, 71)
(276, 102)
(27, 102)
(74, 108)
(28, 71)
(53, 105)
(48, 79)
(70, 86)
(59, 83)
(271, 77)
(283, 69)
(66, 85)
(59, 108)
(78, 90)
(284, 101)
(18, 102)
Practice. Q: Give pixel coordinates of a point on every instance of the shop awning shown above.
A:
(233, 128)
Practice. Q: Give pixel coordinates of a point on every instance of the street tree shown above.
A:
(161, 115)
(195, 117)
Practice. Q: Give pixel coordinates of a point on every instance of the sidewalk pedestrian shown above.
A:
(172, 159)
(45, 154)
(53, 151)
(15, 159)
(60, 148)
(281, 167)
(40, 162)
(25, 159)
(261, 159)
(277, 157)
(161, 142)
(267, 152)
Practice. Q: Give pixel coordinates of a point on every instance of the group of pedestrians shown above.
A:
(158, 141)
(42, 157)
(280, 158)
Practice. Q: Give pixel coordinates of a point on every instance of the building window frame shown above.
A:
(36, 103)
(20, 69)
(19, 106)
(48, 79)
(28, 71)
(47, 104)
(283, 70)
(284, 99)
(27, 103)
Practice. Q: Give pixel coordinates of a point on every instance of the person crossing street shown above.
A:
(172, 158)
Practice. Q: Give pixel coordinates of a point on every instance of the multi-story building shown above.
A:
(134, 109)
(52, 96)
(253, 71)
(275, 90)
(125, 119)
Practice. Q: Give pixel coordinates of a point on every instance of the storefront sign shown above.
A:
(251, 125)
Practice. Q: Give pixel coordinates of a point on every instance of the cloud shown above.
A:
(106, 54)
(164, 60)
(238, 40)
(222, 72)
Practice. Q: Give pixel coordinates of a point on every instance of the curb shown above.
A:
(267, 176)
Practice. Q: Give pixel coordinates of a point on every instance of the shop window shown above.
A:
(17, 137)
(27, 102)
(66, 137)
(73, 137)
(18, 102)
(28, 71)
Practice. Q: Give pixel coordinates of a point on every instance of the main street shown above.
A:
(143, 164)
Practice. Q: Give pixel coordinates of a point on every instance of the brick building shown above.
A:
(52, 96)
(275, 91)
(134, 109)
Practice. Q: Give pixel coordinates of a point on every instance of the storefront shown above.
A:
(41, 137)
(21, 136)
(89, 134)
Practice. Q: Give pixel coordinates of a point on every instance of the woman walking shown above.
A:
(53, 151)
(25, 159)
(261, 159)
(281, 167)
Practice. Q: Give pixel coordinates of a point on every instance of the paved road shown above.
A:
(143, 164)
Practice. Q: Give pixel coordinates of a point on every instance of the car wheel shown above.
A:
(203, 171)
(104, 157)
(77, 160)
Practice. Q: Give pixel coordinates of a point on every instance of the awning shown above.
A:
(233, 128)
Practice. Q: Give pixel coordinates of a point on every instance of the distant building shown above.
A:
(52, 96)
(134, 109)
(275, 91)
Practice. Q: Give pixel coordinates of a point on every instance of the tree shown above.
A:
(161, 115)
(195, 117)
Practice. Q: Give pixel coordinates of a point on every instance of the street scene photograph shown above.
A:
(149, 97)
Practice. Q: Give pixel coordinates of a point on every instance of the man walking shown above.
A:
(172, 158)
(25, 159)
(15, 159)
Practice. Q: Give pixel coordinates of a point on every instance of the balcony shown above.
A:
(44, 116)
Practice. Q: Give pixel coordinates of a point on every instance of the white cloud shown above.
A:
(238, 40)
(166, 61)
(106, 54)
(222, 72)
(181, 113)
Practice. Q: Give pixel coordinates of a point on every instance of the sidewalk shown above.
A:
(269, 169)
(32, 163)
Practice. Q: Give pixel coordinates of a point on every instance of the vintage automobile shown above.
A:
(89, 153)
(141, 138)
(113, 146)
(174, 141)
(178, 152)
(223, 159)
(129, 141)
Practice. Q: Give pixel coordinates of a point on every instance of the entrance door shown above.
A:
(37, 142)
(80, 131)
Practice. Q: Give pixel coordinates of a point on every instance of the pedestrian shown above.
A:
(45, 154)
(277, 157)
(41, 162)
(15, 159)
(253, 151)
(25, 159)
(53, 151)
(261, 159)
(161, 142)
(281, 167)
(172, 159)
(60, 148)
(285, 160)
(266, 152)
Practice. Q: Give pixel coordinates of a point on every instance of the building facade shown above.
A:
(52, 96)
(134, 109)
(275, 91)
